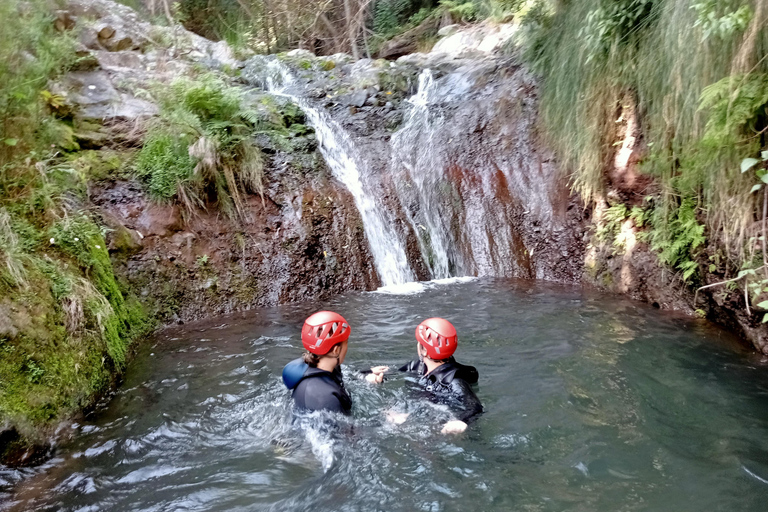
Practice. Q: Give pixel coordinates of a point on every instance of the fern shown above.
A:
(677, 237)
(201, 149)
(735, 104)
(466, 11)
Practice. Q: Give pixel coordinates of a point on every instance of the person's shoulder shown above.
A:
(465, 372)
(321, 392)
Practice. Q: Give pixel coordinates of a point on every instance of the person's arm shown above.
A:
(469, 407)
(412, 366)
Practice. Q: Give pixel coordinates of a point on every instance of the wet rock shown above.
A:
(64, 21)
(300, 53)
(448, 30)
(485, 38)
(7, 327)
(17, 451)
(356, 99)
(160, 220)
(91, 96)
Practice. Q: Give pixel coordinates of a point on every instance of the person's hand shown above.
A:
(398, 418)
(377, 374)
(454, 427)
(374, 378)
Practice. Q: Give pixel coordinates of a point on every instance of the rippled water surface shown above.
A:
(593, 403)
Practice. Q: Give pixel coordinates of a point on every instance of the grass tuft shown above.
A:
(201, 150)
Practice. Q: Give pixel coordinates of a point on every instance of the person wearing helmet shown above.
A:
(315, 379)
(448, 381)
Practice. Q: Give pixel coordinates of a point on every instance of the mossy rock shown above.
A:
(292, 114)
(62, 135)
(124, 242)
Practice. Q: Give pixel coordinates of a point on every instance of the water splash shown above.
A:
(350, 168)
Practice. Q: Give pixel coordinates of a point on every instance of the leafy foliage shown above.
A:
(202, 148)
(736, 104)
(31, 53)
(164, 164)
(716, 20)
(696, 71)
(677, 236)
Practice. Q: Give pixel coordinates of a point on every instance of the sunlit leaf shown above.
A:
(748, 163)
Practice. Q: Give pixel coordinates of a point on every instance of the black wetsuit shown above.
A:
(321, 390)
(449, 384)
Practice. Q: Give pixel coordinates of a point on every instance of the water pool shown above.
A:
(593, 403)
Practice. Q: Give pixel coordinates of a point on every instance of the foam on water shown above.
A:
(415, 287)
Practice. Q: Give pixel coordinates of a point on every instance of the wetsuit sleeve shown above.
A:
(411, 366)
(469, 405)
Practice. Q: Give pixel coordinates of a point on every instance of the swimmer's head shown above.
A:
(324, 330)
(438, 338)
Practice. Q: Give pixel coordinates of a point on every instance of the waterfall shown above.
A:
(464, 170)
(454, 187)
(339, 151)
(414, 150)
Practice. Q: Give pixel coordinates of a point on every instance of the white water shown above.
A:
(413, 288)
(451, 192)
(413, 150)
(338, 149)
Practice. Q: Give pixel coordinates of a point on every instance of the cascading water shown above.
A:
(346, 165)
(454, 199)
(425, 172)
(475, 186)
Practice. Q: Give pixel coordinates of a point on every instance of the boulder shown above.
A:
(64, 21)
(356, 98)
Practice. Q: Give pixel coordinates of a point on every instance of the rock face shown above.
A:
(304, 240)
(448, 150)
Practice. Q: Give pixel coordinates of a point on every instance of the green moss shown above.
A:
(68, 324)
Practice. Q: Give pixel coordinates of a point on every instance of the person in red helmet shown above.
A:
(446, 380)
(315, 379)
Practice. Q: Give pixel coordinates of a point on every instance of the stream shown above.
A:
(592, 403)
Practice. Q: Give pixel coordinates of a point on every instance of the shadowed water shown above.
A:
(593, 403)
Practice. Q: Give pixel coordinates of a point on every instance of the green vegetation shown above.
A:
(696, 72)
(201, 150)
(358, 27)
(66, 324)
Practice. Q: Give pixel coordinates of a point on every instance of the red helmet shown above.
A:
(438, 336)
(323, 330)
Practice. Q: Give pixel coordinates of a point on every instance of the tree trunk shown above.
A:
(351, 32)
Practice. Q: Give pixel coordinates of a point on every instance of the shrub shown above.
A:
(31, 53)
(202, 148)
